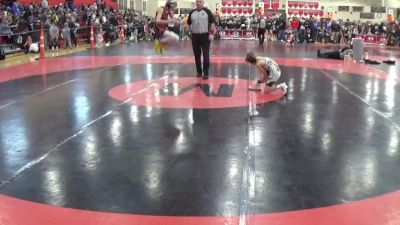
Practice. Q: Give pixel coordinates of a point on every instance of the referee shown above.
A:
(202, 27)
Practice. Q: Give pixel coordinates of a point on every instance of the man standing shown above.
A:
(262, 24)
(202, 26)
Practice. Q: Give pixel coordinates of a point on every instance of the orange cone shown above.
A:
(91, 36)
(42, 52)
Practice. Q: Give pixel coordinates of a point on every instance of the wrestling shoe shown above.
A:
(162, 48)
(157, 47)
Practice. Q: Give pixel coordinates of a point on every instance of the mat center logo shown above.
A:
(192, 92)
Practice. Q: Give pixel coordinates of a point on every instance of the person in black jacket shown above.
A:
(280, 26)
(262, 25)
(335, 54)
(73, 28)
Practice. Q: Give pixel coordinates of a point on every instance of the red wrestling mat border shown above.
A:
(381, 210)
(53, 65)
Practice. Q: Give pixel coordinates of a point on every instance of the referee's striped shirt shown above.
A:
(200, 20)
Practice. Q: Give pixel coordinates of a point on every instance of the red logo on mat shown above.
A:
(191, 92)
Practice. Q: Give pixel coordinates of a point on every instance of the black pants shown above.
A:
(74, 39)
(200, 42)
(281, 35)
(261, 35)
(329, 54)
(53, 42)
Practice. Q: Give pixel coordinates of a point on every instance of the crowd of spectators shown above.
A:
(64, 23)
(67, 24)
(313, 29)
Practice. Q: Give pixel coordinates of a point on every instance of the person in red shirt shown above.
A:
(295, 24)
(165, 17)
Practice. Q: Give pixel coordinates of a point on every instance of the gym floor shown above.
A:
(119, 135)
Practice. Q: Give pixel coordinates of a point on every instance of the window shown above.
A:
(145, 6)
(358, 8)
(344, 8)
(378, 9)
(364, 15)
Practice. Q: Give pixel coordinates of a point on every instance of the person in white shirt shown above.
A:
(269, 73)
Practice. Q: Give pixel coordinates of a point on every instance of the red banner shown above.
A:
(295, 4)
(290, 4)
(234, 2)
(240, 2)
(306, 12)
(229, 2)
(267, 4)
(359, 36)
(311, 5)
(229, 10)
(306, 5)
(275, 4)
(224, 2)
(321, 12)
(250, 2)
(370, 39)
(250, 11)
(290, 12)
(236, 34)
(223, 10)
(301, 11)
(382, 40)
(316, 5)
(240, 10)
(301, 4)
(234, 10)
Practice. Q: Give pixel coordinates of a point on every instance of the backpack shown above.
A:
(2, 54)
(263, 23)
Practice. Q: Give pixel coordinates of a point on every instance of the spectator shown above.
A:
(54, 34)
(5, 29)
(45, 4)
(66, 33)
(73, 27)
